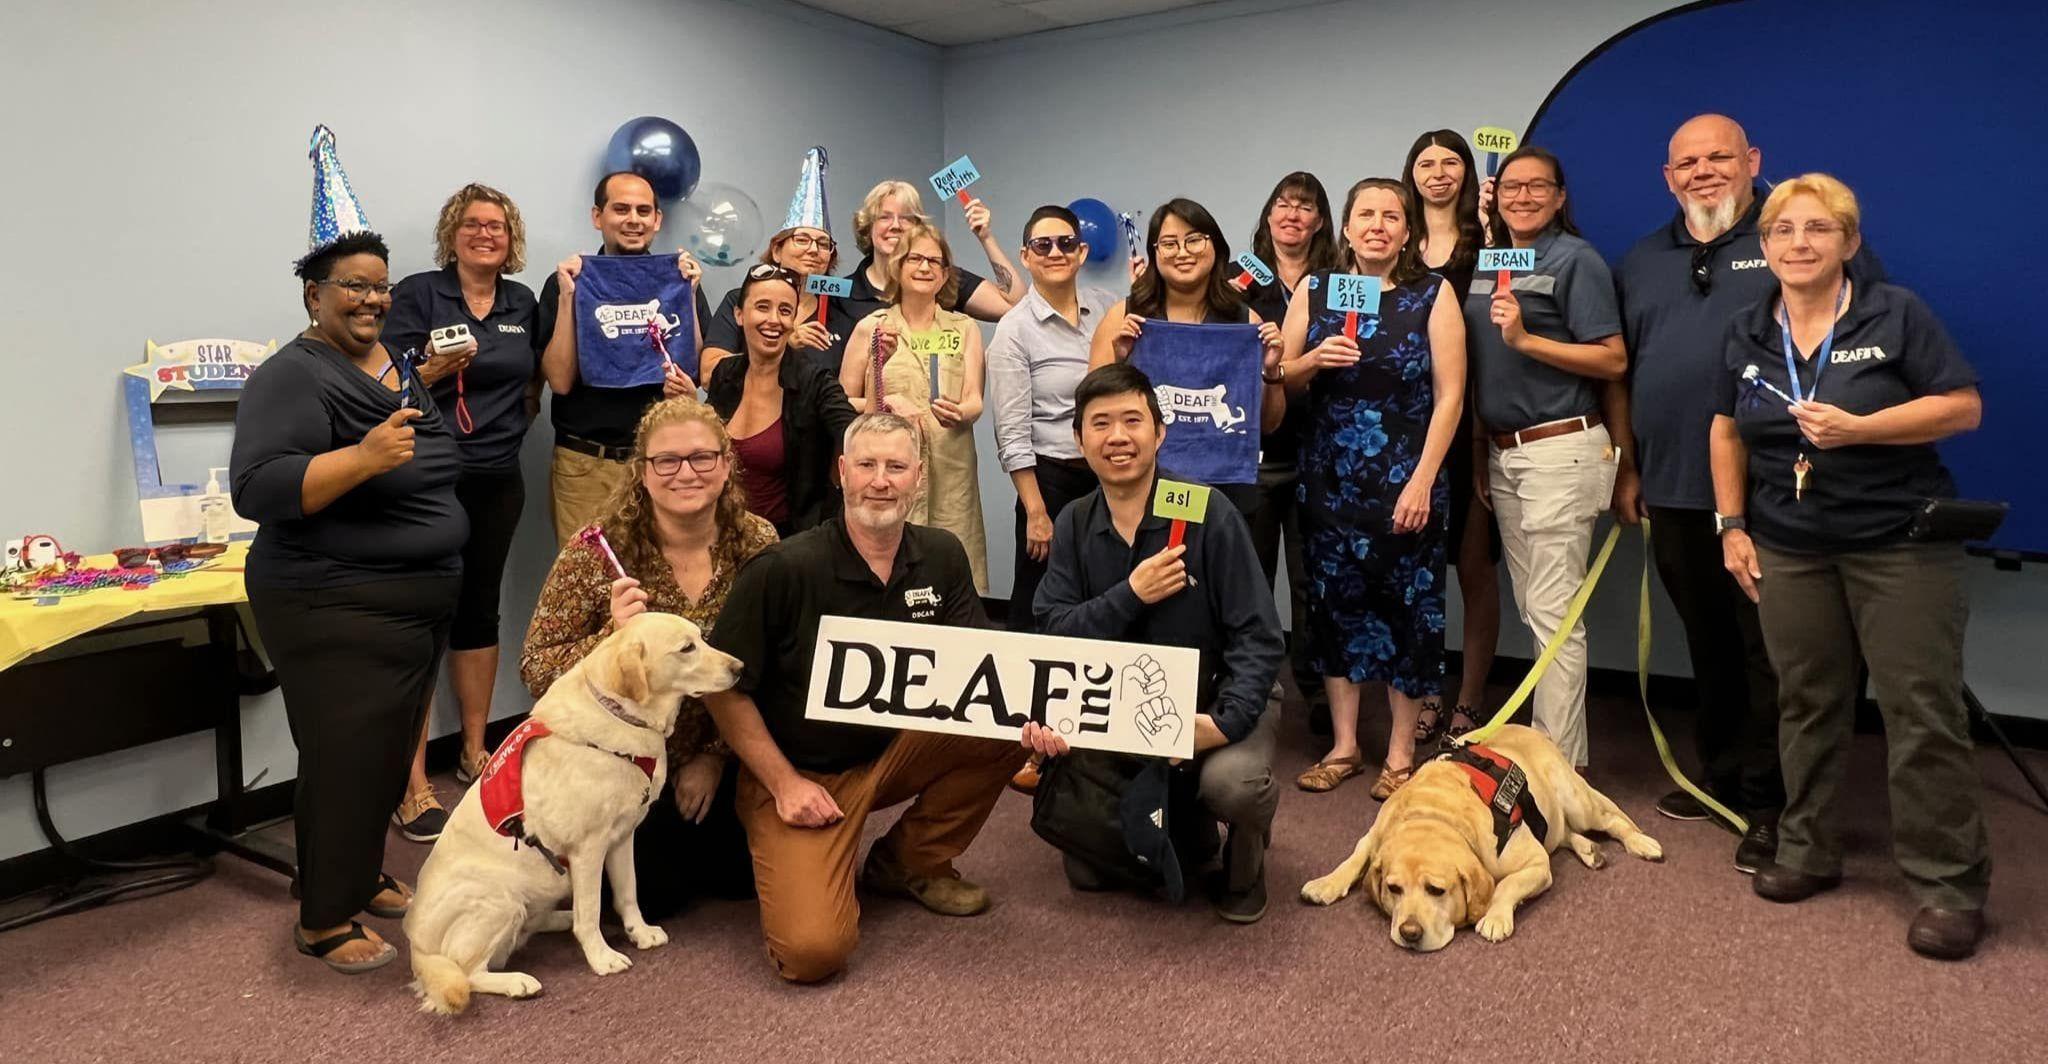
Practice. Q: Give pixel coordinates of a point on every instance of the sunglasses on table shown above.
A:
(1044, 245)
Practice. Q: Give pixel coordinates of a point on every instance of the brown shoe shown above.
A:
(1390, 781)
(947, 895)
(1946, 934)
(1781, 884)
(1026, 779)
(1324, 776)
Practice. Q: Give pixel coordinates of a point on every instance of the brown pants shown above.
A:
(579, 485)
(805, 875)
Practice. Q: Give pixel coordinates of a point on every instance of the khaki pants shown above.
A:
(1547, 496)
(579, 484)
(805, 876)
(1905, 608)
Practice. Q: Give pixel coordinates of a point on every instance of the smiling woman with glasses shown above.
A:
(490, 387)
(804, 246)
(681, 530)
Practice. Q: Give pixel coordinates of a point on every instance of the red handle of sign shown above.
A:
(1244, 280)
(965, 199)
(1503, 281)
(1176, 533)
(1351, 325)
(822, 297)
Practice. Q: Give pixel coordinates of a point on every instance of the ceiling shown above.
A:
(949, 22)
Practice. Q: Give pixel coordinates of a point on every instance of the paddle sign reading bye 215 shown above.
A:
(1354, 294)
(952, 182)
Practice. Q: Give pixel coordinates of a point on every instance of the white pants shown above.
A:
(1547, 495)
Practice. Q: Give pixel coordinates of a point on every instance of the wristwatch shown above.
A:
(1725, 523)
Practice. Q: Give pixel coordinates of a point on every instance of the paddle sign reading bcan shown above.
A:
(1504, 263)
(1098, 695)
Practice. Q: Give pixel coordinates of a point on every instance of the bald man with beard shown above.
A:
(1679, 288)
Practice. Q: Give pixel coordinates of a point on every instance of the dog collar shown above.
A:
(615, 707)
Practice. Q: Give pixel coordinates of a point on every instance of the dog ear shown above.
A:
(1376, 879)
(1476, 885)
(625, 674)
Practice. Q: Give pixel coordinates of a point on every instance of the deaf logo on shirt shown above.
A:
(520, 329)
(1857, 354)
(1748, 264)
(926, 597)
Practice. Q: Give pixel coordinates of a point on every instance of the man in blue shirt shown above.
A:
(1680, 287)
(1112, 574)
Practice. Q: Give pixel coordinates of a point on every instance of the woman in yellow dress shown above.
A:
(925, 363)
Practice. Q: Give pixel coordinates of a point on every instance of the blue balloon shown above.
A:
(658, 150)
(1100, 230)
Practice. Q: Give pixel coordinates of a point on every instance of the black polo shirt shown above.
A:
(722, 330)
(494, 386)
(770, 622)
(1889, 349)
(1227, 615)
(1674, 333)
(866, 298)
(1276, 448)
(606, 416)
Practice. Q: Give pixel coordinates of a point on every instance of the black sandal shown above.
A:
(1457, 731)
(1427, 734)
(320, 950)
(384, 883)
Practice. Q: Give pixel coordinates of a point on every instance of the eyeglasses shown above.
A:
(768, 271)
(1538, 188)
(914, 259)
(1193, 243)
(1813, 230)
(1717, 160)
(668, 465)
(1703, 268)
(360, 290)
(1293, 207)
(897, 219)
(474, 226)
(805, 242)
(1043, 245)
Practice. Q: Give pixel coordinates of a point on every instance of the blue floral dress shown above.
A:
(1375, 598)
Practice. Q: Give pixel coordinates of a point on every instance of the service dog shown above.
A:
(582, 771)
(1442, 855)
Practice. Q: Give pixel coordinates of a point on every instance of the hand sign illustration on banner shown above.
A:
(1158, 721)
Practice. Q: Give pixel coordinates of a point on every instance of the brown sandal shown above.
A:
(1390, 781)
(1326, 775)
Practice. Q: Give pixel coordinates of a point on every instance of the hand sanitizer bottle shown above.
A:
(214, 509)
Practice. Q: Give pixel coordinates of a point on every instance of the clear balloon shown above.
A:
(1099, 230)
(658, 150)
(719, 224)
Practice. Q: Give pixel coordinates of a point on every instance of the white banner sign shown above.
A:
(1126, 697)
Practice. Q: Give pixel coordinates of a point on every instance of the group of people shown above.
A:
(823, 462)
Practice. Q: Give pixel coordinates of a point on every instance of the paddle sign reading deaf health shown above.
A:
(1252, 271)
(1354, 294)
(952, 182)
(1504, 263)
(1495, 142)
(825, 286)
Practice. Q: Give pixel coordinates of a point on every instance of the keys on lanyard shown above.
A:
(1802, 470)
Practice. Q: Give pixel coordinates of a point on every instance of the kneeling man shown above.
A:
(809, 786)
(1112, 575)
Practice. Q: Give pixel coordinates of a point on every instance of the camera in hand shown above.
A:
(448, 339)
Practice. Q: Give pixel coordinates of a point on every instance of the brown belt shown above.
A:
(1508, 440)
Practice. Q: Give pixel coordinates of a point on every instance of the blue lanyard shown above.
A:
(1820, 357)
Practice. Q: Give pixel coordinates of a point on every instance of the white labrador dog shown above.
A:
(594, 759)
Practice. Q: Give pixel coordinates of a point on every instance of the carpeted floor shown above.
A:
(1638, 962)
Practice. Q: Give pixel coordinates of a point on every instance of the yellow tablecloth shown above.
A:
(26, 628)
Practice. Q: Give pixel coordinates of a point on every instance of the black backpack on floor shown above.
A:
(1112, 812)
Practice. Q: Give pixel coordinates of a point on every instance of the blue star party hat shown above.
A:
(807, 207)
(336, 212)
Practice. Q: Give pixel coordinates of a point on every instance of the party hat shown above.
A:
(336, 212)
(807, 207)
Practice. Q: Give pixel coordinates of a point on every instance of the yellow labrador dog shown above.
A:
(554, 813)
(1433, 860)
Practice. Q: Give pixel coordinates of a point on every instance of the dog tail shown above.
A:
(442, 985)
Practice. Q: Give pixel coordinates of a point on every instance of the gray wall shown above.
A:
(156, 188)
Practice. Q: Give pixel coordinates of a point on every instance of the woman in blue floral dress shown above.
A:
(1375, 501)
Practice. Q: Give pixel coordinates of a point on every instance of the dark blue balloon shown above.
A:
(1100, 230)
(658, 150)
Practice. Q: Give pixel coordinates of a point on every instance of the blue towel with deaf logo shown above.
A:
(616, 297)
(1207, 381)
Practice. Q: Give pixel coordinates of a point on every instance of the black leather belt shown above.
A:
(592, 448)
(1078, 465)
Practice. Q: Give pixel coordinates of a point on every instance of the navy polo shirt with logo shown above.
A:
(493, 388)
(1569, 298)
(770, 623)
(866, 298)
(604, 416)
(1674, 333)
(1889, 349)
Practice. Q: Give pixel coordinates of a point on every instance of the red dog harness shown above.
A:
(1504, 787)
(503, 799)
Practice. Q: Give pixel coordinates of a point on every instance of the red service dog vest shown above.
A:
(1504, 787)
(504, 800)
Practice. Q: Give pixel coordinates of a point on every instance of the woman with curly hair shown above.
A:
(681, 530)
(488, 388)
(1381, 417)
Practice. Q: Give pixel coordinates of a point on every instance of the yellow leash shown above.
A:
(1556, 644)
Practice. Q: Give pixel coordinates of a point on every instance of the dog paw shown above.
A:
(1644, 847)
(521, 985)
(1495, 926)
(1327, 890)
(608, 962)
(647, 936)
